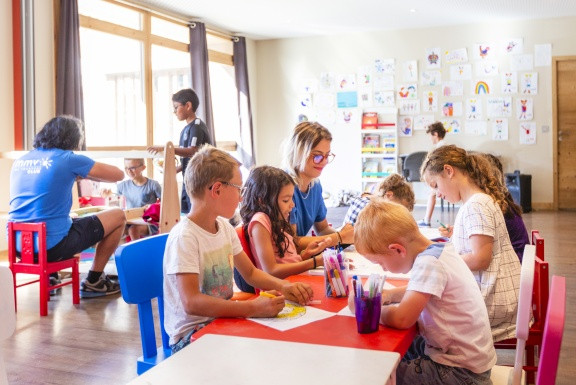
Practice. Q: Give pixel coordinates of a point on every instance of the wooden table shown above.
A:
(221, 359)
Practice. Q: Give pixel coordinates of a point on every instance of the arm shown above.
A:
(296, 292)
(481, 255)
(102, 172)
(346, 233)
(406, 313)
(197, 303)
(263, 244)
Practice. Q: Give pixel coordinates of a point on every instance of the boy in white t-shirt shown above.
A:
(454, 345)
(203, 249)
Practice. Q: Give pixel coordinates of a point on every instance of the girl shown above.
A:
(265, 210)
(479, 232)
(307, 153)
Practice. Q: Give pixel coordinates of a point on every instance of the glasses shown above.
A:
(133, 168)
(318, 158)
(178, 106)
(240, 188)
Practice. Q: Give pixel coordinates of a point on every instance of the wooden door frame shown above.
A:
(555, 61)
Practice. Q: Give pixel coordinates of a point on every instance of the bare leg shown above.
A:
(137, 231)
(113, 221)
(430, 206)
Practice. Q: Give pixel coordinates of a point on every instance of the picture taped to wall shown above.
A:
(433, 58)
(500, 129)
(527, 133)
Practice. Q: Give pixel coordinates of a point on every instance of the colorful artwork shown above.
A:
(421, 122)
(407, 91)
(453, 88)
(364, 76)
(327, 81)
(430, 78)
(405, 126)
(433, 60)
(529, 83)
(461, 72)
(430, 101)
(305, 100)
(499, 107)
(524, 109)
(365, 97)
(483, 51)
(384, 66)
(500, 129)
(347, 99)
(452, 125)
(410, 68)
(527, 133)
(384, 98)
(309, 86)
(452, 109)
(348, 116)
(409, 107)
(486, 68)
(482, 87)
(509, 83)
(456, 56)
(346, 82)
(473, 109)
(514, 46)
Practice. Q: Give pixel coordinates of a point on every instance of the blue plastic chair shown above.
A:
(139, 265)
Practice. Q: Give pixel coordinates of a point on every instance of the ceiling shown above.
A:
(272, 19)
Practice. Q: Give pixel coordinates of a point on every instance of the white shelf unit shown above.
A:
(379, 148)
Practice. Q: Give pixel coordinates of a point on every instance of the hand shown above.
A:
(298, 292)
(106, 192)
(316, 247)
(387, 297)
(155, 149)
(351, 303)
(446, 231)
(347, 233)
(267, 306)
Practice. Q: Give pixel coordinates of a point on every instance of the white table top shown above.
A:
(219, 359)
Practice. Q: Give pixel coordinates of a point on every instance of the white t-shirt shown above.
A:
(500, 283)
(191, 249)
(454, 322)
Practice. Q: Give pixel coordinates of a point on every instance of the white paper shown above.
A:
(293, 316)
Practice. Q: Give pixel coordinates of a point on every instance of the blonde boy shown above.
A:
(203, 249)
(454, 345)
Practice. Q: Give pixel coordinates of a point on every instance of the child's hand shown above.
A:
(298, 292)
(316, 247)
(446, 231)
(155, 149)
(387, 297)
(351, 304)
(268, 306)
(106, 192)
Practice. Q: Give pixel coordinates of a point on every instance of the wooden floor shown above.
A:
(98, 341)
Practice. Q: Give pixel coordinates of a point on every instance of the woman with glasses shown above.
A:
(307, 153)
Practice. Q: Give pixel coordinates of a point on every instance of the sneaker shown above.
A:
(52, 281)
(423, 223)
(104, 286)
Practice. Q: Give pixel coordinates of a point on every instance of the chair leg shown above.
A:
(44, 294)
(530, 361)
(76, 283)
(15, 287)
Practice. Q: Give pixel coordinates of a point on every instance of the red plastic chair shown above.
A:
(30, 240)
(240, 282)
(538, 241)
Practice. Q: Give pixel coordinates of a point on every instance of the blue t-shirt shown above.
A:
(41, 189)
(138, 196)
(309, 209)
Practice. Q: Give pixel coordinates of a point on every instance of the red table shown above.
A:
(336, 331)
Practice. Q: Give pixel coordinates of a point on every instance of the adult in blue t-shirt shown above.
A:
(307, 153)
(41, 185)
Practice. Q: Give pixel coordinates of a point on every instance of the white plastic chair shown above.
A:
(504, 375)
(7, 315)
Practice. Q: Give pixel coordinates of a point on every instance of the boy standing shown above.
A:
(192, 137)
(455, 343)
(437, 133)
(203, 249)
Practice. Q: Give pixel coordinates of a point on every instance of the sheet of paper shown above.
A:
(293, 316)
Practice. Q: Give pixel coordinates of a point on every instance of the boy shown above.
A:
(455, 342)
(192, 137)
(138, 191)
(437, 133)
(203, 249)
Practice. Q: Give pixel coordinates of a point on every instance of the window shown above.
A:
(133, 60)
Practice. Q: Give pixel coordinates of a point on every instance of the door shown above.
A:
(564, 71)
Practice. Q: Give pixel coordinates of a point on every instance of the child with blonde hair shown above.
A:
(479, 233)
(454, 345)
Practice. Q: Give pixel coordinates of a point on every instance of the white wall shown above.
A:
(282, 64)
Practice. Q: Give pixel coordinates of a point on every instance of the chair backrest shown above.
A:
(540, 293)
(240, 281)
(412, 164)
(140, 273)
(553, 331)
(524, 310)
(538, 241)
(27, 240)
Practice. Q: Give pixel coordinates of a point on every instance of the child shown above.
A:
(437, 133)
(513, 215)
(203, 249)
(192, 137)
(139, 191)
(265, 211)
(479, 232)
(393, 188)
(454, 345)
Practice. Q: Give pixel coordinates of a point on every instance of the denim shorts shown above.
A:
(185, 341)
(84, 233)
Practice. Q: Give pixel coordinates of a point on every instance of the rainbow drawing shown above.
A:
(482, 88)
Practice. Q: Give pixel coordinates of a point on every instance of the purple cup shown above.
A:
(368, 313)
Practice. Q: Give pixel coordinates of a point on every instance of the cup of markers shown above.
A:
(368, 303)
(335, 273)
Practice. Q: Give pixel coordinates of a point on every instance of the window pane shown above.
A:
(220, 44)
(171, 73)
(165, 28)
(112, 81)
(224, 102)
(112, 13)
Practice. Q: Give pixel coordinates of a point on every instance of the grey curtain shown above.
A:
(246, 145)
(201, 74)
(69, 98)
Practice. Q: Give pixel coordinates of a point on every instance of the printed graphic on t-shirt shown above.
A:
(31, 166)
(218, 272)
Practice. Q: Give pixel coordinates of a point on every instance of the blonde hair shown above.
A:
(473, 165)
(381, 223)
(305, 137)
(206, 167)
(401, 189)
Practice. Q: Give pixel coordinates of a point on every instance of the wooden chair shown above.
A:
(553, 331)
(238, 279)
(27, 254)
(504, 375)
(7, 315)
(140, 273)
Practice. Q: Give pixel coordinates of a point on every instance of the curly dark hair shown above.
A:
(261, 195)
(438, 128)
(63, 132)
